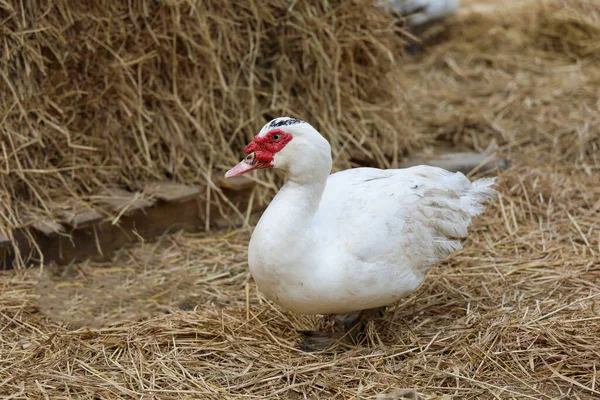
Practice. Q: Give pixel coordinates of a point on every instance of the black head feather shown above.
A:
(279, 122)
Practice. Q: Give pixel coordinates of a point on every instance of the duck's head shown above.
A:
(286, 143)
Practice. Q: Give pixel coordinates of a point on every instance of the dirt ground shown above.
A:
(514, 315)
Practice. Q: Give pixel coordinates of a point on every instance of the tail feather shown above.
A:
(450, 214)
(481, 192)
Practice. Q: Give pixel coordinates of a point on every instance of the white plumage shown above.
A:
(357, 239)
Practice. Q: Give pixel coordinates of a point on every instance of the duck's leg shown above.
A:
(347, 329)
(357, 320)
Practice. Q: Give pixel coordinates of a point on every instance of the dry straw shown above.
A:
(514, 315)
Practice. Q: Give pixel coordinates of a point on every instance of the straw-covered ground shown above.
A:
(512, 315)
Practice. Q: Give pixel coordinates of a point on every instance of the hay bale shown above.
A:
(103, 93)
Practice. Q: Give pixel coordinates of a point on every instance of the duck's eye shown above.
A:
(276, 137)
(250, 157)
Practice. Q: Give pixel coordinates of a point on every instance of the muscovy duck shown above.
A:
(355, 240)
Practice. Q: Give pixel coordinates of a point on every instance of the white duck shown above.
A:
(355, 240)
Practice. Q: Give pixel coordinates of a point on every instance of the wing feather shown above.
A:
(411, 217)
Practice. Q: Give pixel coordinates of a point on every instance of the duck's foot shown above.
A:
(348, 330)
(319, 341)
(356, 322)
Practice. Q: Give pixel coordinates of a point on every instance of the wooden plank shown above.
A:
(237, 183)
(47, 227)
(4, 242)
(78, 215)
(99, 241)
(122, 201)
(43, 225)
(20, 242)
(84, 219)
(171, 191)
(89, 235)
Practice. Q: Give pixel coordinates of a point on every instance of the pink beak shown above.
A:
(246, 165)
(240, 169)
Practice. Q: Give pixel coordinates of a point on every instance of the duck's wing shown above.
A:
(411, 217)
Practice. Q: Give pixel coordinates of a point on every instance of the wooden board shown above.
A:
(171, 191)
(123, 202)
(237, 183)
(47, 227)
(4, 242)
(89, 234)
(83, 219)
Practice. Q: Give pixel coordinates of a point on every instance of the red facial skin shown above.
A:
(261, 152)
(265, 147)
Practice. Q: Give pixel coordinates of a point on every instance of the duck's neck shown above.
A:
(289, 216)
(300, 199)
(288, 221)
